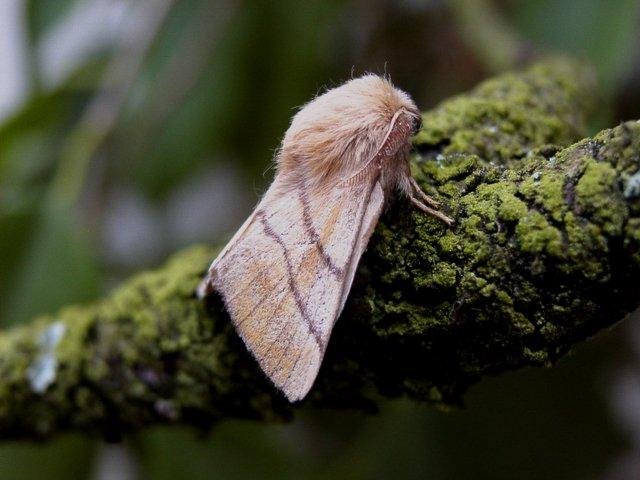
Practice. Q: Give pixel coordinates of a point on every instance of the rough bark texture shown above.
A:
(545, 252)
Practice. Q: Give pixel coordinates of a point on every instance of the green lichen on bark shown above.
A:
(148, 353)
(544, 253)
(505, 117)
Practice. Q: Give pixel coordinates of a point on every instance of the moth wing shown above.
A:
(285, 276)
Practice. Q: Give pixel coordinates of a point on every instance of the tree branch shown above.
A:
(544, 253)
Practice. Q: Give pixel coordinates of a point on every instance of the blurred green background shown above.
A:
(130, 129)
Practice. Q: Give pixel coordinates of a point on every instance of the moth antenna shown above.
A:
(375, 160)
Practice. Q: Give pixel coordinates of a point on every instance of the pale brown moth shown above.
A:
(285, 275)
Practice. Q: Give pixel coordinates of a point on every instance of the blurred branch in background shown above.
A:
(486, 32)
(14, 65)
(102, 112)
(184, 68)
(543, 255)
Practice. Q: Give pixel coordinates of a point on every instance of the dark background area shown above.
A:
(130, 129)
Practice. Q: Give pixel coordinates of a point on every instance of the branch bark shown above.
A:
(545, 252)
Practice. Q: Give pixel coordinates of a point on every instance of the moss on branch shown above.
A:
(545, 252)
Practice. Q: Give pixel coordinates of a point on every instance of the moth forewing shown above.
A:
(285, 280)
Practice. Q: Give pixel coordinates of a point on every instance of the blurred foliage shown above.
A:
(604, 31)
(68, 457)
(43, 14)
(217, 87)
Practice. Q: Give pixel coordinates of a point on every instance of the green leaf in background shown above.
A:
(31, 138)
(68, 458)
(183, 98)
(31, 141)
(58, 268)
(201, 96)
(16, 228)
(604, 32)
(42, 14)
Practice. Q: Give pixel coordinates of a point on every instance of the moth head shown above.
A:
(339, 132)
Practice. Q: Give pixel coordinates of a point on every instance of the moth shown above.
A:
(285, 275)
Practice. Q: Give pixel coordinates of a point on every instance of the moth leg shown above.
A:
(433, 212)
(425, 198)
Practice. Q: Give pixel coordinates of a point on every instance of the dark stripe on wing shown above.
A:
(292, 283)
(315, 238)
